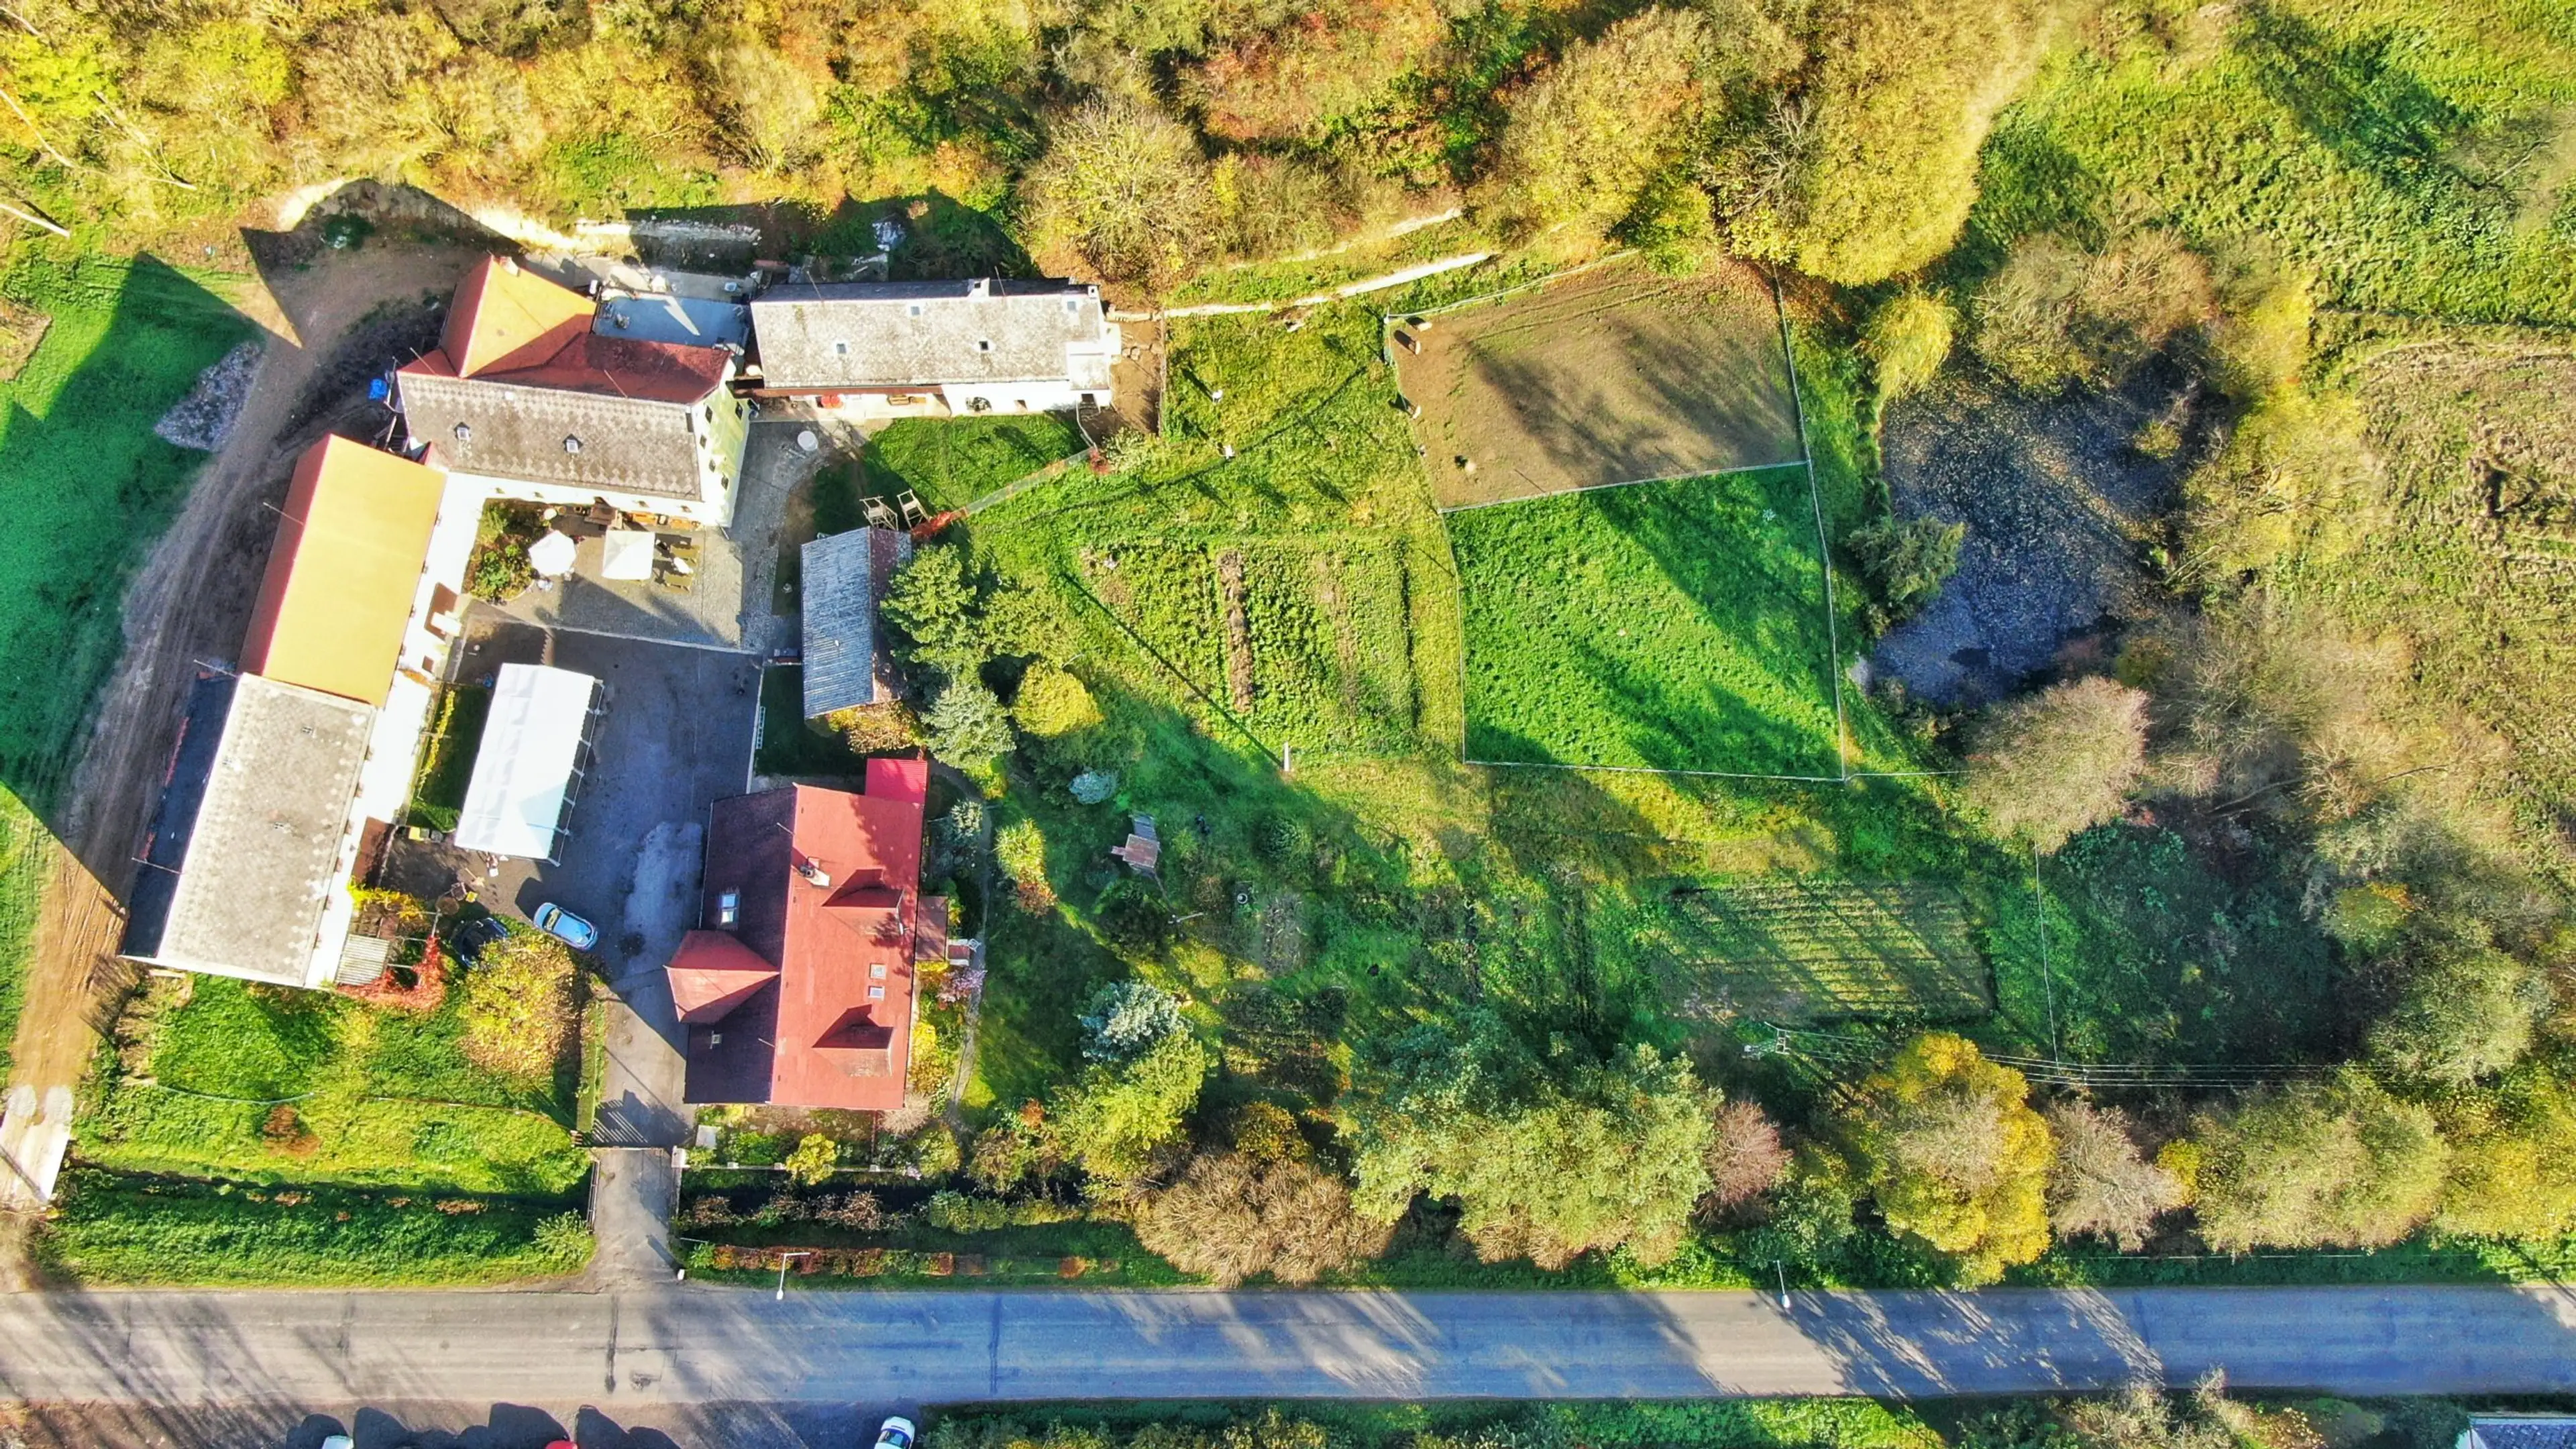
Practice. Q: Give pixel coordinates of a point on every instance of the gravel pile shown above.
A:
(2061, 507)
(204, 418)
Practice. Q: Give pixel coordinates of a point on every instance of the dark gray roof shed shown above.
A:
(845, 579)
(263, 852)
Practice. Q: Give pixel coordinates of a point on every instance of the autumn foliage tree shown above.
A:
(1949, 1147)
(1586, 138)
(1232, 1216)
(2059, 762)
(517, 1005)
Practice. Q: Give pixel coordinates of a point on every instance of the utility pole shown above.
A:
(782, 1272)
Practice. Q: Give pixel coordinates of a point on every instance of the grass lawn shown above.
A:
(1669, 626)
(376, 1097)
(110, 1229)
(86, 487)
(950, 462)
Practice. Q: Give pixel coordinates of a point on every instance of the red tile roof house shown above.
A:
(797, 990)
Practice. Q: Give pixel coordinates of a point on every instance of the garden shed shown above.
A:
(846, 576)
(528, 770)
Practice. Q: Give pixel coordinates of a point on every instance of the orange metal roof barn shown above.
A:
(341, 578)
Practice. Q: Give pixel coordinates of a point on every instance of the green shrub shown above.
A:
(108, 1229)
(1906, 561)
(1907, 339)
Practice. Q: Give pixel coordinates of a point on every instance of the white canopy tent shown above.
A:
(530, 757)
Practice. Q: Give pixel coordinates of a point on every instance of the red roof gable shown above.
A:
(509, 325)
(712, 973)
(825, 884)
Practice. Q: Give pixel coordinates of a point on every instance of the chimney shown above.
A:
(815, 875)
(980, 288)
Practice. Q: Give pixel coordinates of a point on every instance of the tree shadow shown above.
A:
(2357, 100)
(87, 487)
(936, 236)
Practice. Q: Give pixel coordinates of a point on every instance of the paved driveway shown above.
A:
(675, 739)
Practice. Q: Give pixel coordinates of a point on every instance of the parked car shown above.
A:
(566, 927)
(895, 1433)
(467, 938)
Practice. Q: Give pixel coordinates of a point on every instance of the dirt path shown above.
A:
(190, 600)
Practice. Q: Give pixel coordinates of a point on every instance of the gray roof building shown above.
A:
(253, 865)
(862, 335)
(2519, 1431)
(555, 435)
(845, 579)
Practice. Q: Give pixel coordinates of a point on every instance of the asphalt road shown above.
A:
(627, 1351)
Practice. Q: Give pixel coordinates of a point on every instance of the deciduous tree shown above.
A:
(2101, 1184)
(1948, 1145)
(1121, 192)
(1587, 136)
(1232, 1217)
(1114, 1118)
(2333, 1163)
(516, 1005)
(1546, 1162)
(2058, 762)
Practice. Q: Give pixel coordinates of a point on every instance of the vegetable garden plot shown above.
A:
(1616, 376)
(1804, 948)
(1307, 644)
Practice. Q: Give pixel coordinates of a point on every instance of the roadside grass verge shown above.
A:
(1817, 1423)
(1089, 1254)
(215, 1077)
(107, 1229)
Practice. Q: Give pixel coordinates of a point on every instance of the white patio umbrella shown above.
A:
(551, 556)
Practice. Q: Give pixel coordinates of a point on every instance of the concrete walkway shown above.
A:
(699, 1344)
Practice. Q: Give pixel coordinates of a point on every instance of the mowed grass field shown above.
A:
(1669, 626)
(1617, 375)
(376, 1096)
(85, 487)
